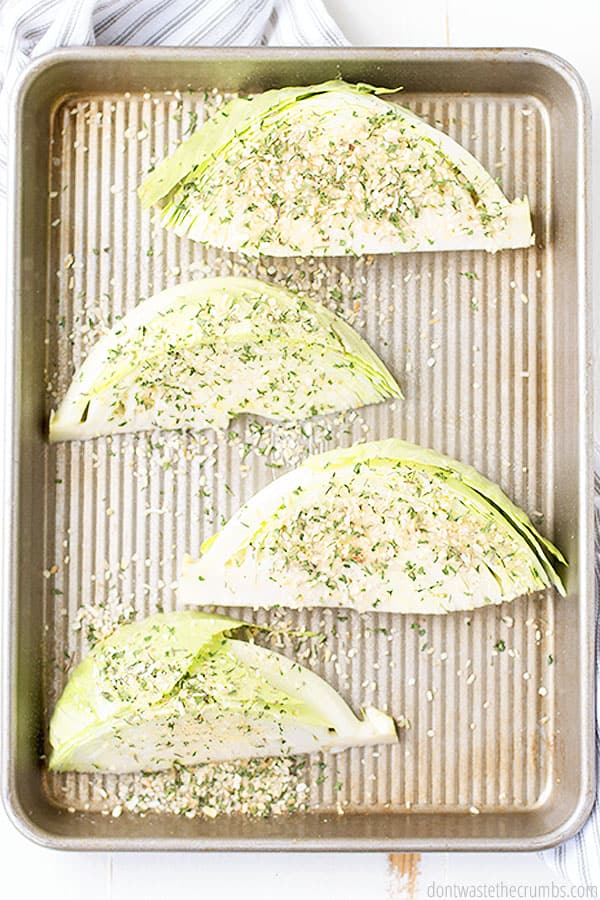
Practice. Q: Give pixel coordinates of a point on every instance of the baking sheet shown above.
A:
(490, 352)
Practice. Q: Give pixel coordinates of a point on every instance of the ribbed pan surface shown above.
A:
(472, 355)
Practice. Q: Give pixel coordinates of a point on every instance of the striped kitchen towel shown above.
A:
(29, 28)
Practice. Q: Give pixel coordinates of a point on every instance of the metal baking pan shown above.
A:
(496, 371)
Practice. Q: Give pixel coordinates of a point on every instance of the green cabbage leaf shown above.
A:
(385, 525)
(328, 170)
(199, 354)
(181, 688)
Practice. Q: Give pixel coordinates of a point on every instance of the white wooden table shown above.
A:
(569, 28)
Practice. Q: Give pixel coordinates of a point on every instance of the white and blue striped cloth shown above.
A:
(29, 28)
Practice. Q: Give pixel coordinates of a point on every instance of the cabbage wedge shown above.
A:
(199, 354)
(178, 688)
(328, 170)
(383, 526)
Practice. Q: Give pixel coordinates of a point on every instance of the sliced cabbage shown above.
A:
(196, 355)
(176, 688)
(328, 170)
(381, 526)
